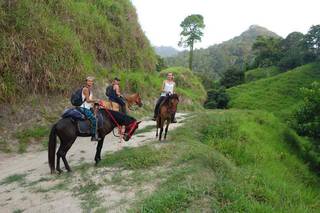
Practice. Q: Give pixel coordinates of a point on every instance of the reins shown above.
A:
(121, 133)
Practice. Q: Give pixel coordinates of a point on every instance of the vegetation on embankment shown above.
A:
(278, 94)
(259, 73)
(230, 161)
(49, 47)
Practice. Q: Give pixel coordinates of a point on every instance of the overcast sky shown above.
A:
(224, 19)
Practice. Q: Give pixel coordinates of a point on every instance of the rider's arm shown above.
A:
(163, 85)
(86, 94)
(117, 89)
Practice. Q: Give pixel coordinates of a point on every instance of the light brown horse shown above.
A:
(167, 110)
(134, 99)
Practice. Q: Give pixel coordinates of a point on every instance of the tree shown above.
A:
(232, 77)
(161, 65)
(217, 99)
(267, 51)
(307, 117)
(293, 51)
(192, 27)
(312, 40)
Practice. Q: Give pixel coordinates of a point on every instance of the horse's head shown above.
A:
(134, 99)
(138, 100)
(130, 129)
(173, 101)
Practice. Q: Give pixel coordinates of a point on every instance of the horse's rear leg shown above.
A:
(166, 130)
(158, 124)
(62, 152)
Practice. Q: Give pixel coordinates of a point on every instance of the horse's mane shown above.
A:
(173, 96)
(121, 118)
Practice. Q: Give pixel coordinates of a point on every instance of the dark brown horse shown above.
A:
(167, 110)
(67, 131)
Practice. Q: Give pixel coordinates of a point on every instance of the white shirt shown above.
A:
(168, 88)
(86, 104)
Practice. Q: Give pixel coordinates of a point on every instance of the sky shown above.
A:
(224, 19)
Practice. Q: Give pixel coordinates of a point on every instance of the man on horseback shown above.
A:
(87, 105)
(166, 90)
(114, 94)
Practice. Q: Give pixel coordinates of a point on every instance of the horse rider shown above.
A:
(87, 105)
(115, 94)
(167, 89)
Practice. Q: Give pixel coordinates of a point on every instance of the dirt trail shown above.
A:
(31, 176)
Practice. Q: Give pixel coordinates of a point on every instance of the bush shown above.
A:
(217, 99)
(307, 117)
(232, 77)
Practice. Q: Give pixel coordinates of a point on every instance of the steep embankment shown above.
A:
(50, 46)
(279, 94)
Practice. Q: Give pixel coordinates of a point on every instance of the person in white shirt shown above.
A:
(167, 88)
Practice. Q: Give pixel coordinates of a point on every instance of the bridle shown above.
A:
(131, 127)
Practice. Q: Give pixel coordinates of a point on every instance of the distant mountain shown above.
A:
(216, 59)
(166, 51)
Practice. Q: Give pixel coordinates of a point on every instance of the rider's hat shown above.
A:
(89, 78)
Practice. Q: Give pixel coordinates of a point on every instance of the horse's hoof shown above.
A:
(60, 171)
(69, 170)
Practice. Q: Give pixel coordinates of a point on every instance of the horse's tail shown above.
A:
(52, 148)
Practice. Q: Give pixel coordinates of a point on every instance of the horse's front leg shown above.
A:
(97, 158)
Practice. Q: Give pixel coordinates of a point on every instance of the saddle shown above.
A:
(83, 124)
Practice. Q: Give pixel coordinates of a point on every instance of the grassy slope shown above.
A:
(49, 47)
(225, 160)
(259, 73)
(279, 94)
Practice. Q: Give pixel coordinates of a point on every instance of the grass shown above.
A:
(4, 146)
(142, 158)
(16, 178)
(87, 193)
(279, 94)
(227, 161)
(259, 73)
(145, 129)
(34, 133)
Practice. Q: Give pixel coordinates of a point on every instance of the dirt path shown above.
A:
(26, 185)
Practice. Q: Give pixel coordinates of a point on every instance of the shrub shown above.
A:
(217, 99)
(307, 117)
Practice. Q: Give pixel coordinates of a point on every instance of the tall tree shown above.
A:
(312, 39)
(192, 27)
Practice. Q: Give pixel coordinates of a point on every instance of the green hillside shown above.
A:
(279, 94)
(230, 161)
(49, 46)
(259, 73)
(216, 59)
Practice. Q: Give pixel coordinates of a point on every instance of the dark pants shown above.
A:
(156, 109)
(120, 101)
(92, 119)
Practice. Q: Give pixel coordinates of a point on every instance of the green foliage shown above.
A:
(234, 161)
(259, 73)
(267, 51)
(293, 51)
(13, 178)
(232, 77)
(216, 59)
(160, 64)
(34, 133)
(278, 94)
(49, 47)
(131, 158)
(191, 33)
(217, 99)
(307, 117)
(312, 40)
